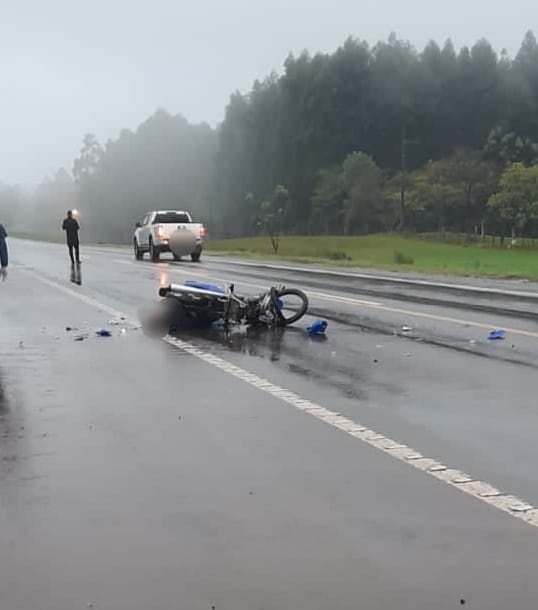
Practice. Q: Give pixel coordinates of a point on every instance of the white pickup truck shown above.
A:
(168, 231)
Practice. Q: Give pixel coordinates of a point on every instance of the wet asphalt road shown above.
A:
(134, 476)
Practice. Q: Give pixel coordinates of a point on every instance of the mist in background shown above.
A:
(120, 107)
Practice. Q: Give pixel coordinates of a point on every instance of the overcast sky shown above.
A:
(69, 67)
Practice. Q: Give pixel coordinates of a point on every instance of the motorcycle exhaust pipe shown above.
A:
(179, 289)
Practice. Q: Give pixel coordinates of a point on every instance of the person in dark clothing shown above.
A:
(3, 252)
(71, 228)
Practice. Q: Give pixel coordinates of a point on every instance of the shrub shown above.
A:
(337, 255)
(402, 259)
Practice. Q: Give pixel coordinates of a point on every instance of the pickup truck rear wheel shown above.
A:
(195, 256)
(137, 252)
(153, 252)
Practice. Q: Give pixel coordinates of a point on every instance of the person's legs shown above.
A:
(77, 253)
(3, 259)
(3, 254)
(70, 246)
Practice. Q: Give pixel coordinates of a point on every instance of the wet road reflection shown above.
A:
(76, 274)
(3, 398)
(138, 476)
(251, 341)
(9, 432)
(290, 350)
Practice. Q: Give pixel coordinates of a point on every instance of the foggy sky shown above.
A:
(69, 67)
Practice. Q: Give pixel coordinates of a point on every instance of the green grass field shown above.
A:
(391, 252)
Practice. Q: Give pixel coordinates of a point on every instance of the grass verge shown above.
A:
(392, 252)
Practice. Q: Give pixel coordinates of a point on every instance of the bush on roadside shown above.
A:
(402, 259)
(337, 255)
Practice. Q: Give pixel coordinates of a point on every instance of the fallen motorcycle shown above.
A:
(196, 304)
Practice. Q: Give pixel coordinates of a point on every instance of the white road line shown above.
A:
(83, 297)
(318, 295)
(383, 278)
(480, 490)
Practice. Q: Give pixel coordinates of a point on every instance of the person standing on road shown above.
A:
(3, 253)
(71, 228)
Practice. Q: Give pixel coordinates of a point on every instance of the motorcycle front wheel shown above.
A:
(290, 305)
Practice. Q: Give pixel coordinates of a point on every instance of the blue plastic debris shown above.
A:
(497, 334)
(204, 286)
(103, 332)
(318, 328)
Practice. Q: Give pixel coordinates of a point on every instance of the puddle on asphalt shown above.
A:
(10, 433)
(3, 397)
(340, 361)
(289, 350)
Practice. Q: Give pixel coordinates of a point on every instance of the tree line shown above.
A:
(368, 138)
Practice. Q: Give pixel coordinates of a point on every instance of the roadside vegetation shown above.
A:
(393, 252)
(367, 140)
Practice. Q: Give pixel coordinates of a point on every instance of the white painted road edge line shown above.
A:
(334, 298)
(332, 272)
(378, 278)
(480, 490)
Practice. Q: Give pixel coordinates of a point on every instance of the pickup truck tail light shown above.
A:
(202, 231)
(159, 231)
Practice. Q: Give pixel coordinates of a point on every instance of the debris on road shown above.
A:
(318, 328)
(103, 332)
(407, 329)
(116, 321)
(496, 335)
(319, 338)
